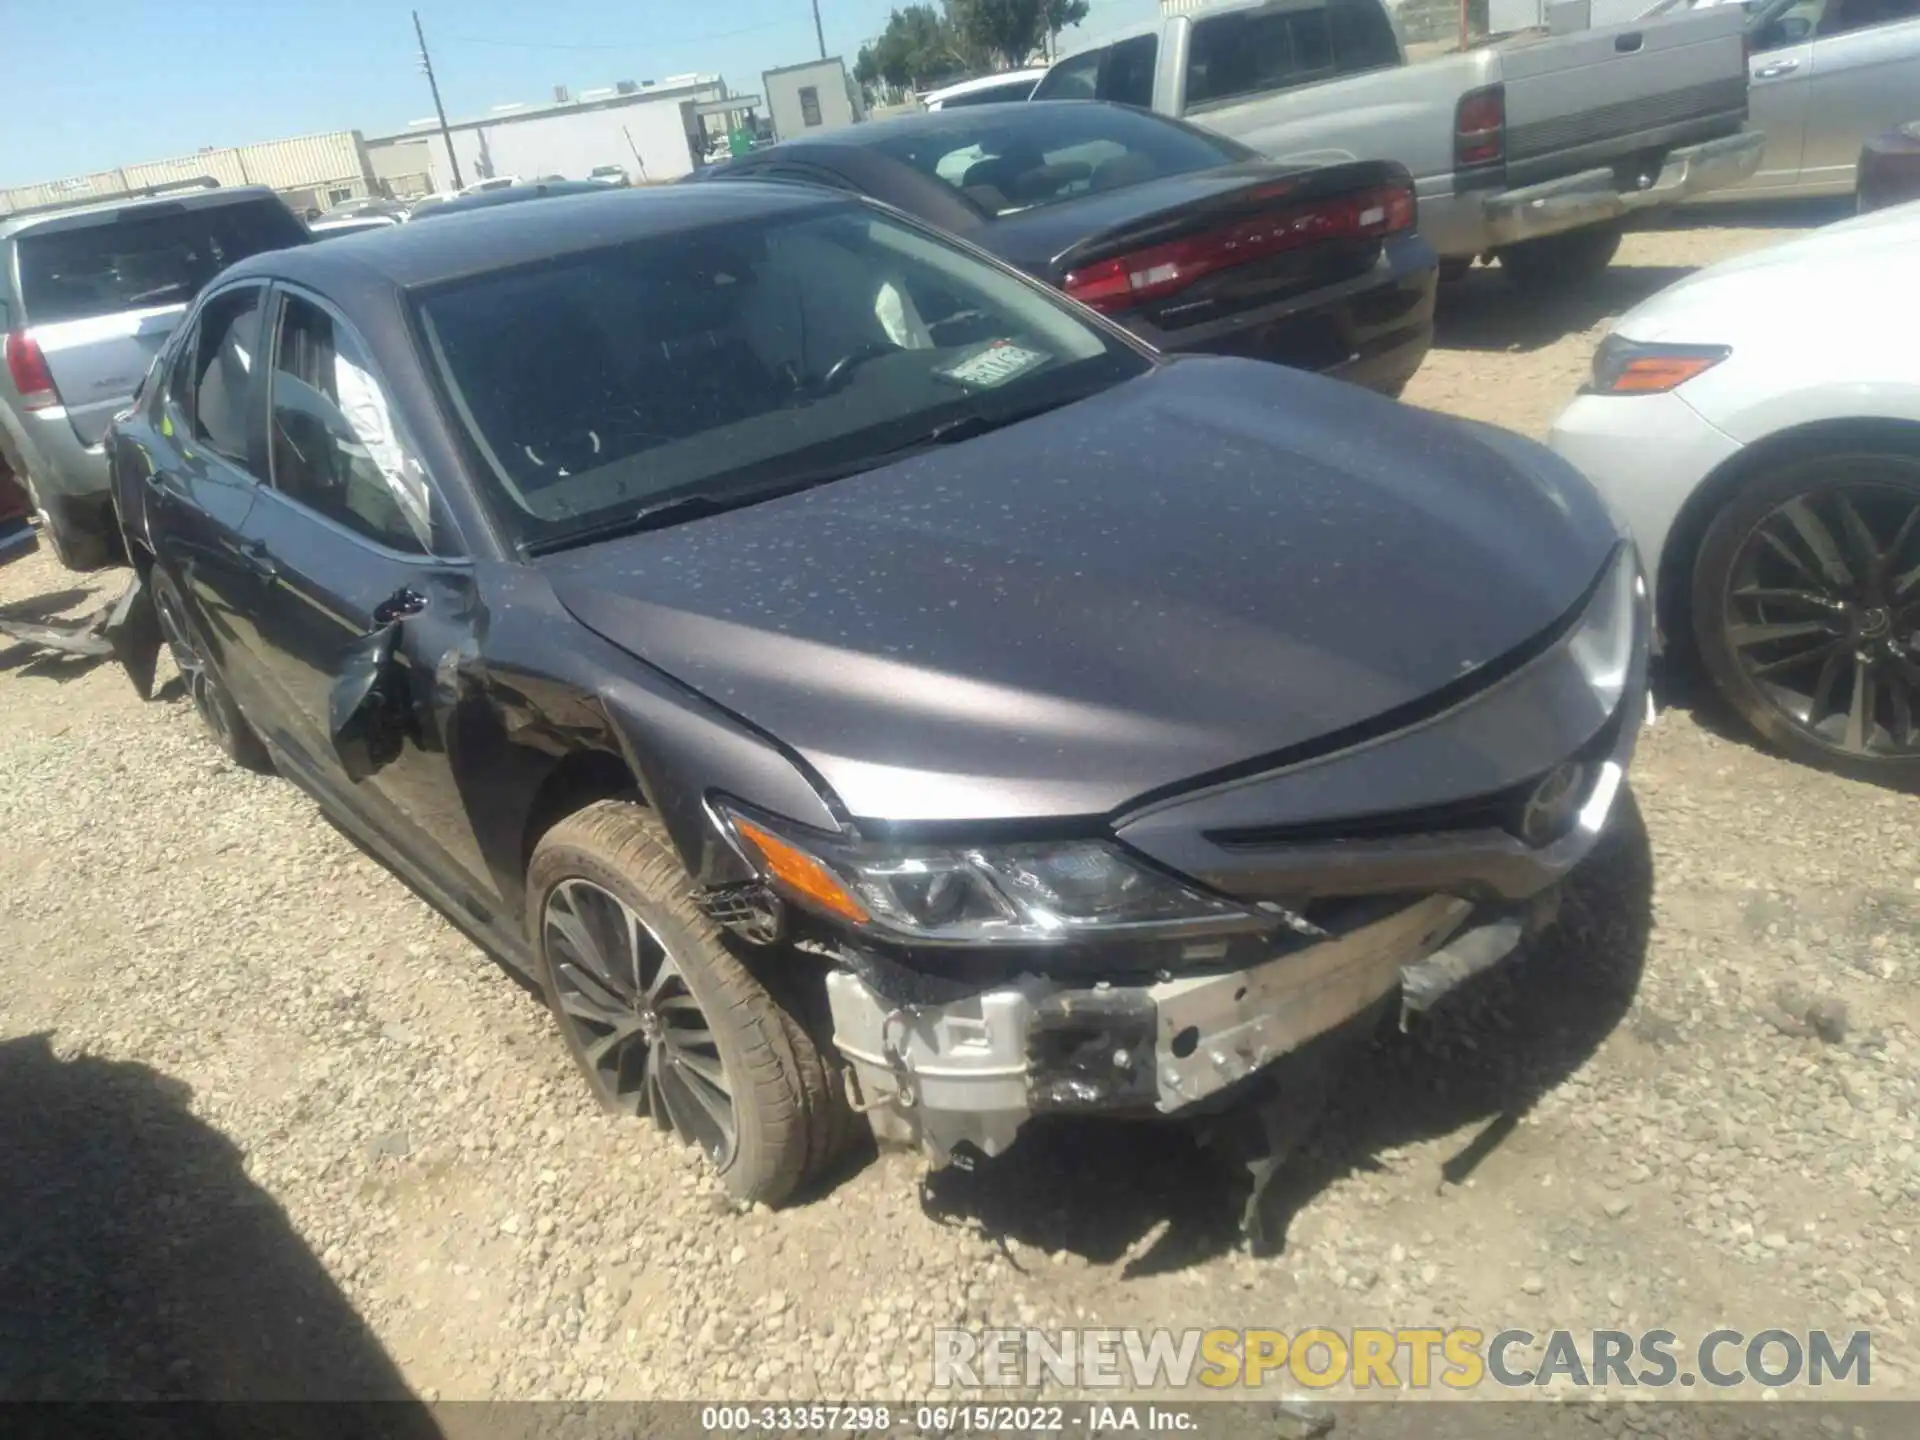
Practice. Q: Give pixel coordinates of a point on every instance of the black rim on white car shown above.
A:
(644, 1038)
(1823, 615)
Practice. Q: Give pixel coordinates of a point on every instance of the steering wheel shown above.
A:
(837, 374)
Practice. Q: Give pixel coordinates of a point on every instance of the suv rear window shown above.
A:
(1014, 160)
(143, 256)
(1254, 52)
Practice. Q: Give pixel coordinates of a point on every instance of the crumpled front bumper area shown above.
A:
(972, 1072)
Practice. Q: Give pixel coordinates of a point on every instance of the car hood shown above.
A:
(1864, 263)
(1216, 562)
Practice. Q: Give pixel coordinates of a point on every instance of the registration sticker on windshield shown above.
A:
(998, 363)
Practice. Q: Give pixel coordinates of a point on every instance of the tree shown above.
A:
(916, 49)
(1011, 32)
(922, 46)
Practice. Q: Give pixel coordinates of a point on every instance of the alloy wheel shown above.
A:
(194, 675)
(639, 1028)
(1823, 616)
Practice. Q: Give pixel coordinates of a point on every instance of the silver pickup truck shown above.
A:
(1531, 149)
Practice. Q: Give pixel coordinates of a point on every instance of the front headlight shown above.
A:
(1023, 893)
(1637, 367)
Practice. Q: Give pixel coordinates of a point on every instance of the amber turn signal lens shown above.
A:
(1656, 374)
(802, 875)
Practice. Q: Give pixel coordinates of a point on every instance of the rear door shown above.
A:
(1865, 80)
(203, 480)
(1781, 72)
(355, 547)
(101, 292)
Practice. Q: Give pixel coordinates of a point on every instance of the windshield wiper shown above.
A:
(697, 504)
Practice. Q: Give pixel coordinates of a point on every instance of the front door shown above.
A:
(357, 548)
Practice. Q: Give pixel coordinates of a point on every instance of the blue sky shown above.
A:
(111, 82)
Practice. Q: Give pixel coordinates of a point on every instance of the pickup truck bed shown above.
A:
(1520, 141)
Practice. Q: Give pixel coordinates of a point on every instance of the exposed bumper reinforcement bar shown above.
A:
(974, 1071)
(1595, 196)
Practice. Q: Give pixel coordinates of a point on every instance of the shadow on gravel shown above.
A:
(1483, 311)
(139, 1263)
(1151, 1198)
(33, 659)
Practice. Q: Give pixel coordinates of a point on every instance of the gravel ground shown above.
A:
(275, 1128)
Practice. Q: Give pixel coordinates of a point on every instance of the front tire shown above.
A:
(1806, 611)
(663, 1018)
(1556, 262)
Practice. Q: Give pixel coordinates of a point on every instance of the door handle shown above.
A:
(398, 606)
(1630, 42)
(257, 558)
(1776, 69)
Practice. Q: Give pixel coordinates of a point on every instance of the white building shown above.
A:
(816, 95)
(652, 130)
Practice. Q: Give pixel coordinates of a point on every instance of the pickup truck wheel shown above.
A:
(1554, 261)
(1806, 611)
(663, 1018)
(228, 727)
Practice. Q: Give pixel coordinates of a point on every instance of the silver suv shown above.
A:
(88, 294)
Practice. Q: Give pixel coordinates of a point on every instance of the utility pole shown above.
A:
(819, 34)
(426, 64)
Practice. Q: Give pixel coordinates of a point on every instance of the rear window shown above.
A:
(1253, 52)
(144, 256)
(1010, 161)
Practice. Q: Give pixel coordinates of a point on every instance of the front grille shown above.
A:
(1501, 810)
(1627, 118)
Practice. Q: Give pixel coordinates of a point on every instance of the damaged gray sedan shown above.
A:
(852, 678)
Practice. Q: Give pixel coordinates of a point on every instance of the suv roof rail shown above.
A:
(142, 192)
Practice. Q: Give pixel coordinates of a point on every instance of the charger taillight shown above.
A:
(1161, 270)
(1480, 128)
(27, 366)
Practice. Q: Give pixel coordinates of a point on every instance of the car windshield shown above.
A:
(143, 256)
(1015, 158)
(733, 361)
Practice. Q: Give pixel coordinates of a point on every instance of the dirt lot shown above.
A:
(272, 1127)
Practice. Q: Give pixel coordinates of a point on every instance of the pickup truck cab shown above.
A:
(1531, 149)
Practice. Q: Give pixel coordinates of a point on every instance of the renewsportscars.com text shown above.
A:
(1462, 1358)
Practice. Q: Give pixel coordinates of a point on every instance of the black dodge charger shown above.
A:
(1192, 241)
(848, 676)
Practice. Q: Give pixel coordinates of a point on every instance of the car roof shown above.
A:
(506, 236)
(169, 200)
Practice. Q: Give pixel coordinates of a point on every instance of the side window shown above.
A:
(1255, 52)
(1128, 76)
(1363, 37)
(1792, 24)
(334, 443)
(1843, 17)
(1075, 78)
(219, 361)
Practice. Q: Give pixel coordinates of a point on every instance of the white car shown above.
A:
(1008, 85)
(1757, 426)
